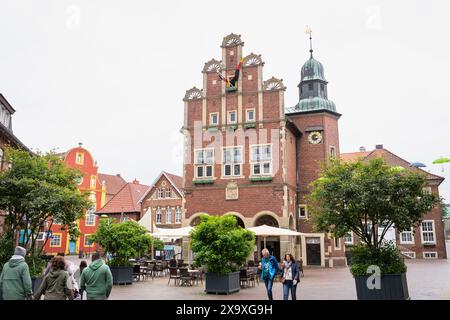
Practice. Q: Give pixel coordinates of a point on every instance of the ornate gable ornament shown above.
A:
(232, 40)
(193, 94)
(253, 60)
(273, 84)
(212, 66)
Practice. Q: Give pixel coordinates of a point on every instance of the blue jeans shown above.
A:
(269, 284)
(289, 285)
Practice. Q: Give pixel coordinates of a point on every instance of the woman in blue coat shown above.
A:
(269, 269)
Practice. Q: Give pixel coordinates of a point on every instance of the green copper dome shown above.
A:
(314, 103)
(312, 70)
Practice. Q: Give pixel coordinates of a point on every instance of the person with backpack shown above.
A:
(269, 269)
(96, 279)
(57, 284)
(15, 280)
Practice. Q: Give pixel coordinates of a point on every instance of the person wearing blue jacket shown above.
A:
(269, 269)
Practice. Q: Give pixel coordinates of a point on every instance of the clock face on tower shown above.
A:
(315, 137)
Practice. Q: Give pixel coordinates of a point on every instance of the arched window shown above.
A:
(158, 215)
(168, 215)
(178, 215)
(93, 179)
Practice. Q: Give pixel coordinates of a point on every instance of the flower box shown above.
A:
(261, 178)
(207, 181)
(249, 125)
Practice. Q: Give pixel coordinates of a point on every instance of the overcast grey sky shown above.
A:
(112, 74)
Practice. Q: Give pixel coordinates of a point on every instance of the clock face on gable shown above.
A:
(315, 137)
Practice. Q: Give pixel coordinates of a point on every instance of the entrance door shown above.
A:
(72, 247)
(273, 247)
(313, 251)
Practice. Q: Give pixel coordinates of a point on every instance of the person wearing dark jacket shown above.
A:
(56, 284)
(96, 279)
(291, 277)
(15, 280)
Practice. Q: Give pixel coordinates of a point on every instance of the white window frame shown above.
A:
(90, 219)
(233, 162)
(56, 236)
(211, 123)
(229, 117)
(247, 117)
(346, 242)
(434, 232)
(407, 232)
(430, 252)
(158, 214)
(204, 164)
(168, 192)
(178, 215)
(41, 236)
(168, 215)
(427, 190)
(300, 206)
(260, 162)
(410, 254)
(160, 193)
(338, 247)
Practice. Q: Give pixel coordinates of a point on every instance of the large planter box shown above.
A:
(122, 275)
(393, 287)
(215, 283)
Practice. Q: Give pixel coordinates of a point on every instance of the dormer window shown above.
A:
(5, 117)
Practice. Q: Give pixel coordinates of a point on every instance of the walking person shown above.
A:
(15, 280)
(57, 284)
(96, 279)
(291, 277)
(269, 269)
(77, 276)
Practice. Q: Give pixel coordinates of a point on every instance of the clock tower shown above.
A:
(317, 120)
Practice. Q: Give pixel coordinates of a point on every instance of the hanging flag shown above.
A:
(231, 82)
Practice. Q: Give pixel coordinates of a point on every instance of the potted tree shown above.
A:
(124, 241)
(222, 247)
(369, 198)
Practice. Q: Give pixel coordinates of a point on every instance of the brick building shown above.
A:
(162, 204)
(246, 156)
(124, 205)
(7, 138)
(426, 241)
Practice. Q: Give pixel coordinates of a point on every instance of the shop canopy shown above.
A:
(174, 233)
(267, 231)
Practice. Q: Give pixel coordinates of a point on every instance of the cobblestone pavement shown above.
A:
(427, 279)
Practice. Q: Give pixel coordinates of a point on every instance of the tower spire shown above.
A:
(309, 31)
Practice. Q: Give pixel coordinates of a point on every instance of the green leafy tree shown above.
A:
(365, 197)
(124, 240)
(38, 188)
(220, 244)
(158, 244)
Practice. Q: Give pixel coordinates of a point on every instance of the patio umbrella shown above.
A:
(441, 160)
(417, 165)
(266, 231)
